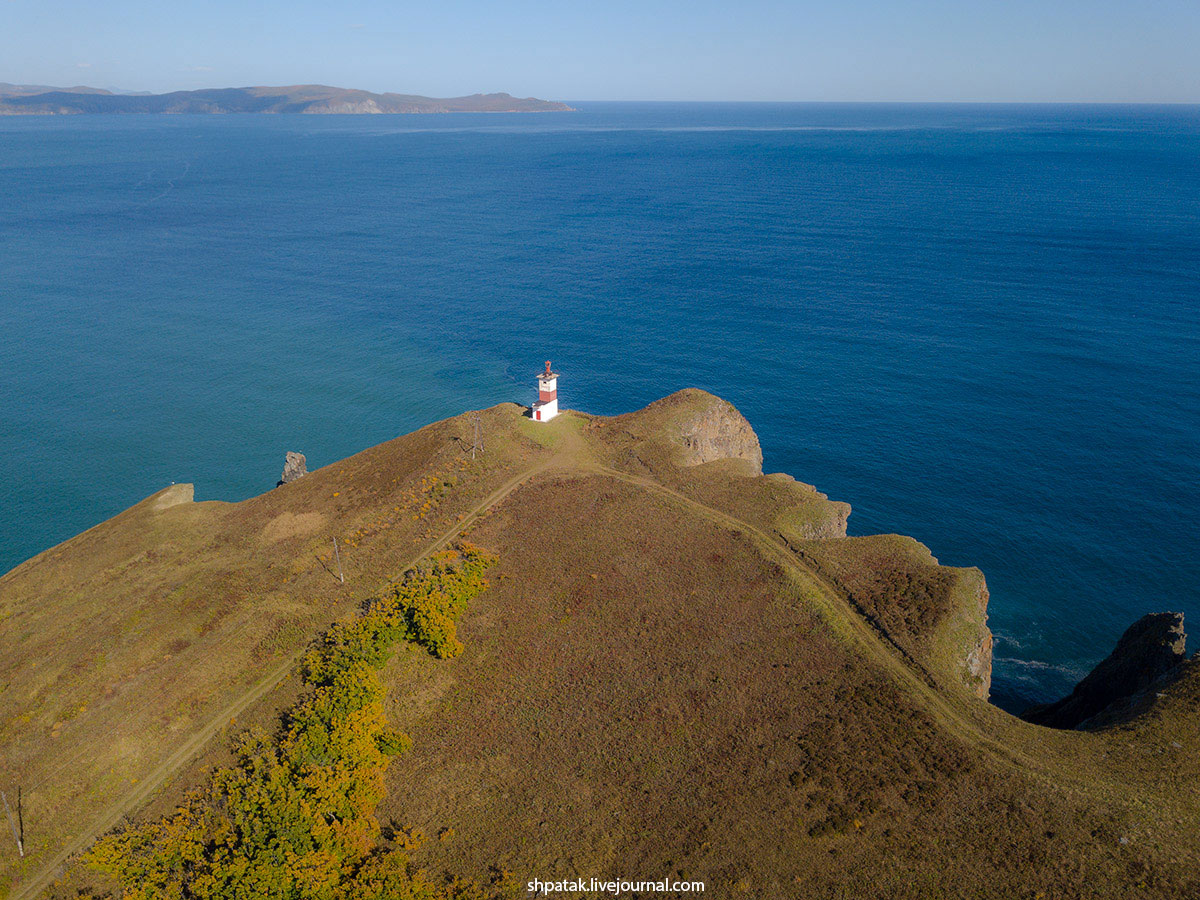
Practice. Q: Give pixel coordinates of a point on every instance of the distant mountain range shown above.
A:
(33, 100)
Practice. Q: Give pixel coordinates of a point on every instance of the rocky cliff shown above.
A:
(705, 448)
(294, 466)
(1149, 654)
(718, 431)
(977, 666)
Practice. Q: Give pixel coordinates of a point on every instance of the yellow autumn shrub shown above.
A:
(294, 818)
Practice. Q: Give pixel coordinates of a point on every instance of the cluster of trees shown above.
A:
(295, 816)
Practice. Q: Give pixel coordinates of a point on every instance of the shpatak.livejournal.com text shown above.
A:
(613, 887)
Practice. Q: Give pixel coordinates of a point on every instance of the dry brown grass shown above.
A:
(668, 680)
(124, 641)
(685, 711)
(290, 525)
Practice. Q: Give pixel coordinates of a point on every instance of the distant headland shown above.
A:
(42, 100)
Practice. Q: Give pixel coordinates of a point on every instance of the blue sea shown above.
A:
(980, 325)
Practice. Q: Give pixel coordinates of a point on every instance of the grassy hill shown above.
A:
(680, 666)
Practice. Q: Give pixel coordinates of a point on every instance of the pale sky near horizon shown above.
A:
(955, 50)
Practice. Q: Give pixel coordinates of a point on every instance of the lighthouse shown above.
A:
(546, 407)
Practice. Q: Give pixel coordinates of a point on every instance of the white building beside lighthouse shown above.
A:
(546, 407)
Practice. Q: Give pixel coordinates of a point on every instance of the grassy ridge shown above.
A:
(295, 817)
(677, 669)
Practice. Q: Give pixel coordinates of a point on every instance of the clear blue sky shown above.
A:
(1072, 50)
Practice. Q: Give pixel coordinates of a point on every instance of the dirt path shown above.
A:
(145, 788)
(576, 455)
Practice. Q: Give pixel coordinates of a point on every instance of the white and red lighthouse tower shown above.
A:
(546, 407)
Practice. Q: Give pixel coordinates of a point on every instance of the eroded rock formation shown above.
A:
(294, 466)
(719, 431)
(1149, 654)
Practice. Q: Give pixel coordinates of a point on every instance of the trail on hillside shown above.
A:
(576, 455)
(145, 788)
(839, 612)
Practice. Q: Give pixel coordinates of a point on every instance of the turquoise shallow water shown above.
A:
(978, 325)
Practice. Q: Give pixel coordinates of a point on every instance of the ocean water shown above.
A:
(980, 325)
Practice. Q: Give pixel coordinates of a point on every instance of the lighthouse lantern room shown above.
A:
(546, 407)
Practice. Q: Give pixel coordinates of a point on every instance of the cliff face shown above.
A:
(294, 466)
(977, 667)
(1148, 654)
(933, 614)
(719, 431)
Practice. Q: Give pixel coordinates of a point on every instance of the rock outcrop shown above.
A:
(174, 496)
(294, 466)
(977, 667)
(719, 431)
(687, 428)
(1149, 654)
